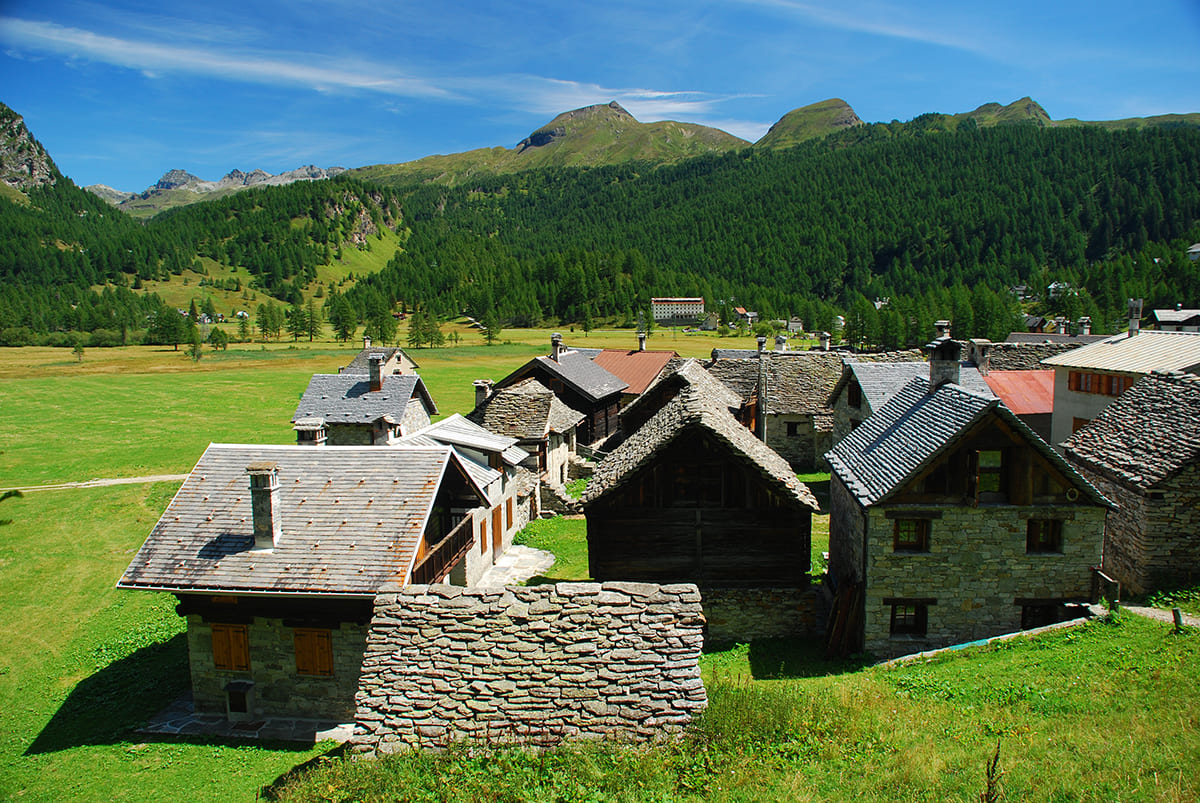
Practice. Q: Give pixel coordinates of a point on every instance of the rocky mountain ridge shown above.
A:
(235, 179)
(24, 163)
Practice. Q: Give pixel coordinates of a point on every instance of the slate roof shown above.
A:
(576, 370)
(693, 408)
(735, 354)
(361, 364)
(351, 520)
(1142, 353)
(348, 399)
(637, 369)
(799, 383)
(1176, 317)
(527, 410)
(881, 381)
(1147, 434)
(740, 376)
(1024, 356)
(682, 374)
(458, 431)
(901, 438)
(1052, 337)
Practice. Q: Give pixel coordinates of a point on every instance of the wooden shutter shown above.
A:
(314, 652)
(231, 647)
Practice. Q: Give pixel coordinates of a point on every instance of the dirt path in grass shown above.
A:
(97, 483)
(1162, 615)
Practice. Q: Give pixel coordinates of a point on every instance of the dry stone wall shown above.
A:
(529, 665)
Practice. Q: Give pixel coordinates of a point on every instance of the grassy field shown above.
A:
(1105, 713)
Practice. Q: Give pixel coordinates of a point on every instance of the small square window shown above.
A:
(910, 535)
(793, 428)
(909, 619)
(1044, 536)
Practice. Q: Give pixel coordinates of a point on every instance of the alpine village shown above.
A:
(858, 462)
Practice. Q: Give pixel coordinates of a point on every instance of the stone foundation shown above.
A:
(532, 666)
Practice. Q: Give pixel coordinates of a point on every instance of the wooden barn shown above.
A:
(694, 497)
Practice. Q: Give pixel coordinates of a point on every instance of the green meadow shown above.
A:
(1106, 712)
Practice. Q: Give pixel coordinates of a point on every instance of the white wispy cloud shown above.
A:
(880, 22)
(156, 59)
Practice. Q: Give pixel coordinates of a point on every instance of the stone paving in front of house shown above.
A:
(181, 719)
(516, 565)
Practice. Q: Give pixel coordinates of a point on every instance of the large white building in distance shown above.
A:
(671, 309)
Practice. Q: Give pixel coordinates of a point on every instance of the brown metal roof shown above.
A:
(635, 368)
(1024, 392)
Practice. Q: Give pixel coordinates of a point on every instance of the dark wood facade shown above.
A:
(701, 514)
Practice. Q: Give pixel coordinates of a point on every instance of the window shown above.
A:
(854, 395)
(483, 537)
(508, 512)
(988, 476)
(231, 647)
(1044, 535)
(314, 652)
(793, 428)
(1105, 384)
(909, 618)
(911, 535)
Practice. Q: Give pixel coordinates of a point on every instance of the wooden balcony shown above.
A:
(441, 558)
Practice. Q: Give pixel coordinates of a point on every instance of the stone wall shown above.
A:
(747, 614)
(976, 572)
(529, 665)
(846, 524)
(1152, 540)
(278, 690)
(415, 416)
(805, 450)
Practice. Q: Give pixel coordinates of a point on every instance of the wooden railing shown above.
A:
(438, 562)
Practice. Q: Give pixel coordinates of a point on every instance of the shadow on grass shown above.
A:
(105, 706)
(775, 659)
(273, 790)
(821, 491)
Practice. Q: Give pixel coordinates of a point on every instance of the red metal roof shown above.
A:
(635, 368)
(1024, 392)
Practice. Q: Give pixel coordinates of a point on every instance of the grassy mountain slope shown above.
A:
(1156, 121)
(587, 137)
(809, 122)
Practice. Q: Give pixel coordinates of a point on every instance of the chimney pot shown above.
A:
(762, 344)
(823, 339)
(641, 341)
(781, 342)
(366, 342)
(483, 389)
(555, 346)
(943, 362)
(942, 328)
(264, 503)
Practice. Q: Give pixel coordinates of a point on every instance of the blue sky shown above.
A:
(121, 92)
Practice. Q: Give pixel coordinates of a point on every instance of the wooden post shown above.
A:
(1178, 614)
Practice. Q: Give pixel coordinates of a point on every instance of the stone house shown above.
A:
(373, 409)
(531, 413)
(683, 374)
(1143, 452)
(276, 553)
(1088, 379)
(692, 496)
(579, 383)
(637, 368)
(494, 462)
(952, 521)
(395, 361)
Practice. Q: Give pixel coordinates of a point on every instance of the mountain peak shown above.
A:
(24, 163)
(570, 122)
(809, 122)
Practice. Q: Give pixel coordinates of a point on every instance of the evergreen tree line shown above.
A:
(878, 211)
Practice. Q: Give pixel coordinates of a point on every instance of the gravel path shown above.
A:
(1162, 615)
(97, 483)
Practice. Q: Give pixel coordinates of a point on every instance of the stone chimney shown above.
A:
(823, 340)
(943, 362)
(641, 341)
(1085, 325)
(1060, 325)
(762, 344)
(264, 503)
(483, 389)
(1135, 315)
(981, 354)
(366, 342)
(556, 346)
(376, 363)
(781, 342)
(942, 328)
